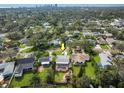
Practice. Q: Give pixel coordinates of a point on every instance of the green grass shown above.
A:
(59, 76)
(90, 70)
(42, 74)
(22, 81)
(22, 46)
(104, 46)
(25, 80)
(97, 59)
(76, 70)
(28, 50)
(57, 52)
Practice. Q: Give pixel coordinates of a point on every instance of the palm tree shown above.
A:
(119, 63)
(50, 77)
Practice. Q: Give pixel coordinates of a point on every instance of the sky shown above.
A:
(61, 5)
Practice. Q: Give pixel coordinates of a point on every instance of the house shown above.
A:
(7, 68)
(25, 64)
(55, 42)
(118, 23)
(76, 32)
(47, 25)
(97, 48)
(79, 58)
(62, 63)
(110, 40)
(105, 60)
(96, 33)
(28, 55)
(100, 40)
(120, 56)
(107, 35)
(45, 61)
(87, 34)
(25, 41)
(91, 41)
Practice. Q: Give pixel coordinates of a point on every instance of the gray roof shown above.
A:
(7, 67)
(62, 59)
(25, 41)
(55, 42)
(120, 56)
(2, 67)
(44, 60)
(25, 61)
(22, 64)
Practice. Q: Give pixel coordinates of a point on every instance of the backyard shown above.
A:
(76, 70)
(97, 58)
(26, 49)
(59, 76)
(90, 70)
(42, 74)
(22, 81)
(104, 46)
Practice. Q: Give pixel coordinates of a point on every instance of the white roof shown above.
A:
(62, 62)
(43, 63)
(104, 59)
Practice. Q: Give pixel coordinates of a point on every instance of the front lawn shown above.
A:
(76, 70)
(104, 46)
(22, 46)
(58, 52)
(59, 76)
(97, 59)
(22, 81)
(43, 74)
(90, 70)
(27, 50)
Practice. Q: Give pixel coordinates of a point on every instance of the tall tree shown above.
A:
(35, 81)
(81, 72)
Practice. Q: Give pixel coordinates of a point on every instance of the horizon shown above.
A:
(59, 5)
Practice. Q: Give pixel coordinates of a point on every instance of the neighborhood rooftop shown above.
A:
(44, 60)
(62, 59)
(23, 64)
(7, 68)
